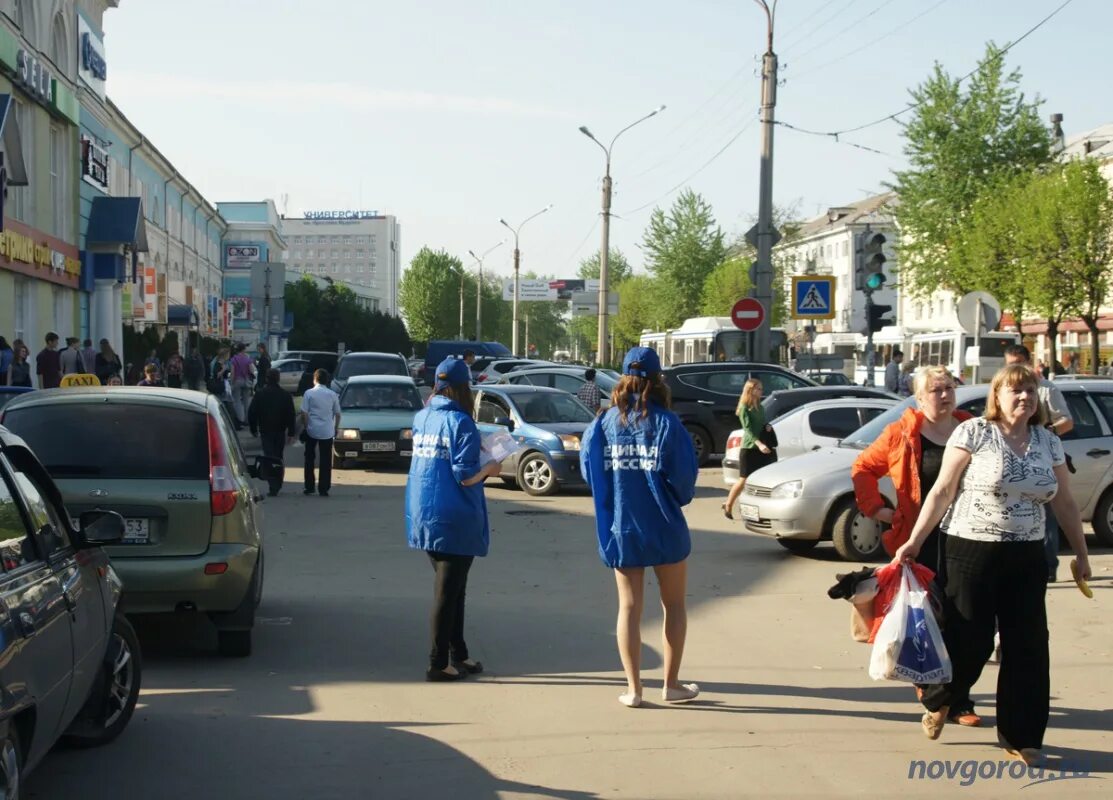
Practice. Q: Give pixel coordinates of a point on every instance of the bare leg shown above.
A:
(732, 496)
(631, 598)
(673, 581)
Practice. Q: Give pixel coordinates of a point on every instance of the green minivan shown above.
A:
(169, 462)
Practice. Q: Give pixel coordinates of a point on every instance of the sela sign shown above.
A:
(341, 214)
(94, 164)
(92, 67)
(32, 73)
(241, 255)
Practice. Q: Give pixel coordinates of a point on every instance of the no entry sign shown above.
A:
(747, 314)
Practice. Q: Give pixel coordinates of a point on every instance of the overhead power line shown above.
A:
(911, 106)
(789, 42)
(849, 27)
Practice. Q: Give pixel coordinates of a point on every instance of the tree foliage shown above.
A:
(959, 142)
(618, 268)
(725, 285)
(429, 293)
(324, 317)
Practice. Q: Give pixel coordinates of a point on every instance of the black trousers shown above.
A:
(274, 442)
(446, 623)
(312, 448)
(1006, 583)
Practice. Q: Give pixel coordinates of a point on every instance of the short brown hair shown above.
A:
(1013, 376)
(644, 390)
(322, 377)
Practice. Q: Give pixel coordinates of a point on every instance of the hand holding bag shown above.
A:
(909, 645)
(768, 437)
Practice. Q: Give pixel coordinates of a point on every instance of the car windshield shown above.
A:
(865, 436)
(350, 366)
(552, 407)
(372, 397)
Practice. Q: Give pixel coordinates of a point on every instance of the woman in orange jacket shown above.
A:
(910, 452)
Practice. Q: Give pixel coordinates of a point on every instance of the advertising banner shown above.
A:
(528, 290)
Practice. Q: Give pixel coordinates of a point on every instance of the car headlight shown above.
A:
(406, 433)
(788, 490)
(349, 433)
(569, 441)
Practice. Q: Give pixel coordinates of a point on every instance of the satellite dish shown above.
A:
(967, 312)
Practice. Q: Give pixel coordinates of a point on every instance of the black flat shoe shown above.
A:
(440, 676)
(472, 668)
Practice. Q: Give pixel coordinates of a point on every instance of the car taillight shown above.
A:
(222, 485)
(733, 442)
(482, 377)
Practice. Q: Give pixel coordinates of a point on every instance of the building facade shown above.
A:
(254, 272)
(359, 249)
(40, 266)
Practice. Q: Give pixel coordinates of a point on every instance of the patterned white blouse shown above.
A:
(1001, 495)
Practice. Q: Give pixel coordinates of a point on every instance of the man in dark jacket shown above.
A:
(271, 414)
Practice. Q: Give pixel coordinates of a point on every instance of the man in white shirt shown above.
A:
(892, 372)
(1051, 398)
(320, 419)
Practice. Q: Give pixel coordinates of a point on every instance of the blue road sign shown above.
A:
(813, 297)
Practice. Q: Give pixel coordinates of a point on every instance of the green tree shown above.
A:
(725, 285)
(959, 142)
(638, 309)
(324, 317)
(682, 248)
(618, 268)
(429, 295)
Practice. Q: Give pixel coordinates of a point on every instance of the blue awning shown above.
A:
(114, 221)
(182, 316)
(12, 146)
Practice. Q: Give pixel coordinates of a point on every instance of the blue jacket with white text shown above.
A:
(441, 515)
(640, 475)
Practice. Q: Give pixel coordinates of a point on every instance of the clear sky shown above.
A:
(451, 115)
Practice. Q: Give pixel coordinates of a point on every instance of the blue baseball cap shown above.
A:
(451, 371)
(641, 362)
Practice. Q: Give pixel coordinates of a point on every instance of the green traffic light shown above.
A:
(875, 281)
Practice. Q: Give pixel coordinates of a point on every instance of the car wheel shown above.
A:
(10, 763)
(114, 694)
(702, 442)
(234, 644)
(856, 536)
(1103, 519)
(798, 546)
(536, 476)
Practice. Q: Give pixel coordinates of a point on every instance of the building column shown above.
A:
(107, 322)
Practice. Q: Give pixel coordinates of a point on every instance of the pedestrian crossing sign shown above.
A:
(813, 296)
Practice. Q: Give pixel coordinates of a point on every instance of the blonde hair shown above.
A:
(1013, 376)
(928, 375)
(747, 399)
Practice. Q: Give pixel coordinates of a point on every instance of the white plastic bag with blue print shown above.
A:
(909, 645)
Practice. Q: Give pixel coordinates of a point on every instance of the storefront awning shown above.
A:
(12, 146)
(182, 316)
(114, 221)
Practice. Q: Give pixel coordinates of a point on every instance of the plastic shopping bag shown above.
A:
(909, 646)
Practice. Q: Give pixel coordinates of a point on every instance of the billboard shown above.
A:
(549, 288)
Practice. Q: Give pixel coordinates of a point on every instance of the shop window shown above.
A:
(22, 321)
(19, 206)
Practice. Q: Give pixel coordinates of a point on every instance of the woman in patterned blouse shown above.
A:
(998, 473)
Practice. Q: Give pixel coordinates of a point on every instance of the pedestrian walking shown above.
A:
(589, 393)
(262, 365)
(756, 432)
(7, 355)
(150, 376)
(48, 363)
(152, 358)
(320, 417)
(271, 417)
(89, 356)
(910, 453)
(892, 372)
(242, 379)
(641, 466)
(106, 364)
(19, 371)
(174, 367)
(446, 511)
(1060, 422)
(70, 358)
(998, 474)
(193, 369)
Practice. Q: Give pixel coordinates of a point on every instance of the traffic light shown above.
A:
(875, 316)
(873, 259)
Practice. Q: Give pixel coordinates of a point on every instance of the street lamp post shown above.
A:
(479, 290)
(517, 260)
(605, 251)
(462, 302)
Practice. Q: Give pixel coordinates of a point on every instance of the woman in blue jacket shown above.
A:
(641, 466)
(446, 513)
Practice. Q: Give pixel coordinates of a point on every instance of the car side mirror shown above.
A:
(100, 527)
(505, 422)
(265, 468)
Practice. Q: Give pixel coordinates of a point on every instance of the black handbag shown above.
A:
(768, 437)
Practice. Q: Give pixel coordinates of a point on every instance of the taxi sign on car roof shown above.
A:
(79, 379)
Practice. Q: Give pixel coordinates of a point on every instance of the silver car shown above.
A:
(810, 427)
(803, 500)
(567, 379)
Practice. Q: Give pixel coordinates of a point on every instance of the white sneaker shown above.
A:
(686, 692)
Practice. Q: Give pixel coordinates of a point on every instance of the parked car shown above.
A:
(830, 378)
(810, 427)
(352, 364)
(304, 355)
(1067, 376)
(567, 379)
(417, 369)
(440, 349)
(548, 425)
(781, 401)
(376, 419)
(9, 393)
(803, 500)
(496, 368)
(289, 372)
(316, 361)
(705, 396)
(70, 663)
(169, 462)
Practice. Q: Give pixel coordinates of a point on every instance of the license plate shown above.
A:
(749, 512)
(137, 531)
(372, 447)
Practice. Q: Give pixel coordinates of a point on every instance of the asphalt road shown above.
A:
(333, 703)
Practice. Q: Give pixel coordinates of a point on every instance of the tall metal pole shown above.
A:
(517, 263)
(479, 290)
(266, 308)
(767, 235)
(461, 303)
(871, 354)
